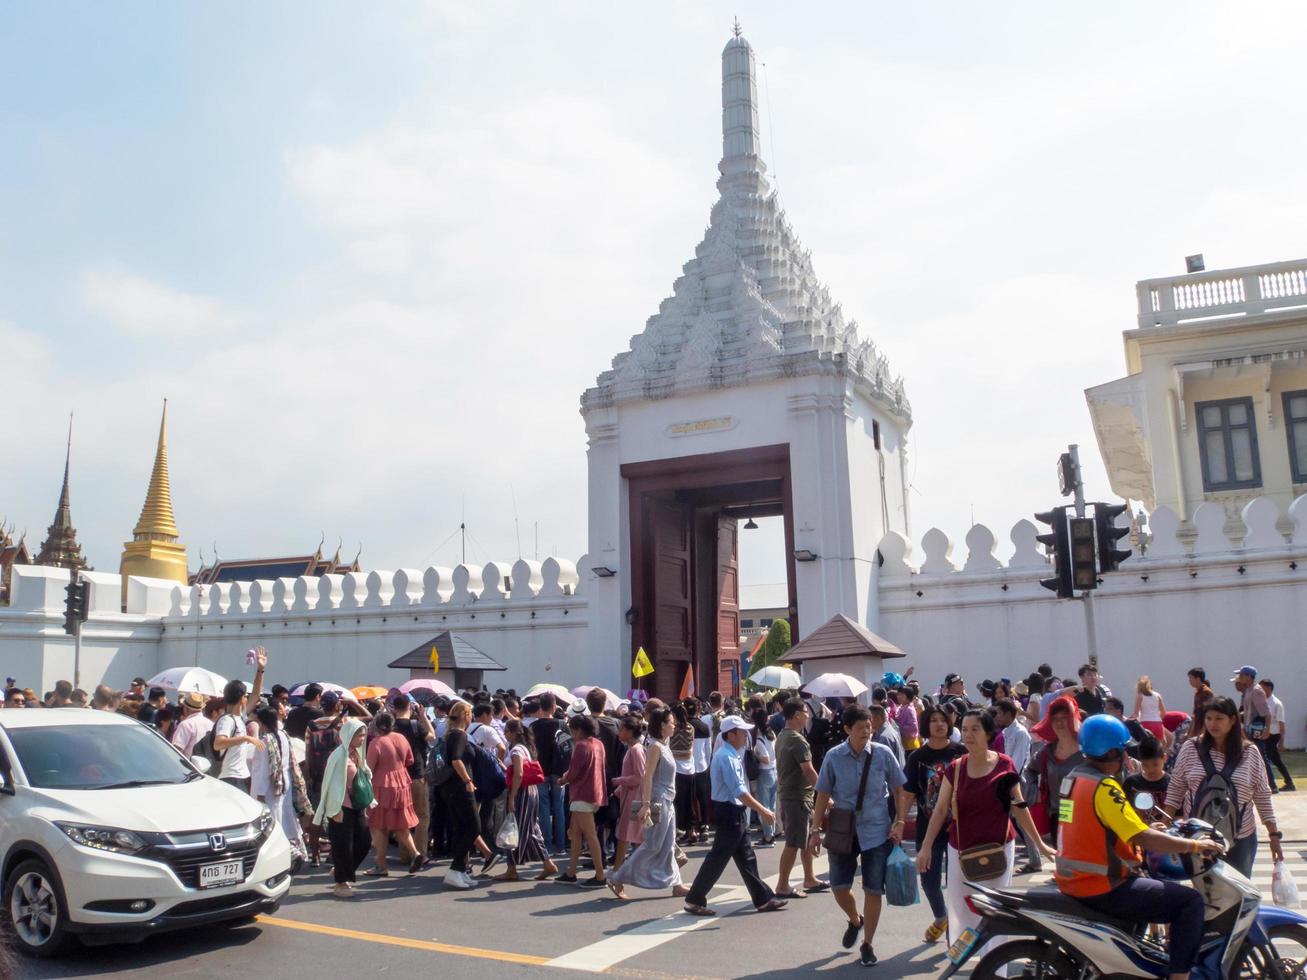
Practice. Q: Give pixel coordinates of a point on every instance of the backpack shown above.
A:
(486, 773)
(438, 768)
(1217, 800)
(562, 750)
(204, 750)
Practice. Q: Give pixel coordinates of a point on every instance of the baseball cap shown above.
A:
(329, 700)
(951, 679)
(733, 723)
(1247, 670)
(138, 681)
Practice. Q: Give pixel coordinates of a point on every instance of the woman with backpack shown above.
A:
(459, 793)
(1220, 777)
(524, 775)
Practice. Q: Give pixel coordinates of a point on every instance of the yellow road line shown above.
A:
(376, 937)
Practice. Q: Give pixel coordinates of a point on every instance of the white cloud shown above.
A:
(143, 307)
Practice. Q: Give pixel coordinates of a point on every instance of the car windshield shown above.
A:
(97, 757)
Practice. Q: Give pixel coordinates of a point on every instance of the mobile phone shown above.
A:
(250, 657)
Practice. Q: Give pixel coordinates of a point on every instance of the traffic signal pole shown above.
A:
(1091, 634)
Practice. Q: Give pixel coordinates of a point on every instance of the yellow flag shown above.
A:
(435, 658)
(642, 666)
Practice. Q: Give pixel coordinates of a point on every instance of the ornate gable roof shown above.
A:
(748, 306)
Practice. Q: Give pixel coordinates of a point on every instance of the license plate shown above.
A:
(226, 873)
(962, 945)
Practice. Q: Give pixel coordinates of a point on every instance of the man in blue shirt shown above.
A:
(731, 802)
(837, 787)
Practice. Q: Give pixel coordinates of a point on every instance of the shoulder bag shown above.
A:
(984, 862)
(842, 825)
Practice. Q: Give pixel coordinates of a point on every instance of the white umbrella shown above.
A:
(428, 684)
(835, 686)
(557, 690)
(344, 692)
(186, 679)
(775, 676)
(611, 700)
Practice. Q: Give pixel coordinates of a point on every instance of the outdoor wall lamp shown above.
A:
(803, 554)
(603, 571)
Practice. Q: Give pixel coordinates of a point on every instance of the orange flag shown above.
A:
(687, 685)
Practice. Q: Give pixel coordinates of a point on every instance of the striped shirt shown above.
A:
(1249, 780)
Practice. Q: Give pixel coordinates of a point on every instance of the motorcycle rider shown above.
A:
(1098, 847)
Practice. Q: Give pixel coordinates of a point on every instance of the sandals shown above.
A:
(615, 887)
(376, 873)
(934, 931)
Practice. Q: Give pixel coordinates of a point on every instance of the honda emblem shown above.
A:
(217, 842)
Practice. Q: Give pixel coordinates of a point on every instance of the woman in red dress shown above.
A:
(389, 757)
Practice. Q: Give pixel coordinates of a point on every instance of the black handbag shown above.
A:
(842, 825)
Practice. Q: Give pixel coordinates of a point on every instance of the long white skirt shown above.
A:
(956, 890)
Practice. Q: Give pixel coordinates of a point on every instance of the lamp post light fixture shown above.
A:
(803, 554)
(750, 525)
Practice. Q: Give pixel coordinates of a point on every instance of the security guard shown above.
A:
(1098, 847)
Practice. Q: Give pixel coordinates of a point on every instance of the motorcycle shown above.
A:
(1050, 935)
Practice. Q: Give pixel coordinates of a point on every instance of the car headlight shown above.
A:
(104, 838)
(265, 821)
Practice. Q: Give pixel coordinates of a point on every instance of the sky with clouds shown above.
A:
(372, 254)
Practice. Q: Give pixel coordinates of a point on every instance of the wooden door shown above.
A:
(728, 605)
(672, 602)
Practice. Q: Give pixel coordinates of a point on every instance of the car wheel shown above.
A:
(35, 912)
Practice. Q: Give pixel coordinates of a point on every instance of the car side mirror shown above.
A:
(5, 786)
(201, 763)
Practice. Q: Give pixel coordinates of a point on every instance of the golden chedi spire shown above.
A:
(157, 522)
(154, 551)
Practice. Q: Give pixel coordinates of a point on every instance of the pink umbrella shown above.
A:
(428, 684)
(611, 700)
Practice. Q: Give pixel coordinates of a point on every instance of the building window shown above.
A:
(764, 623)
(1295, 421)
(746, 624)
(1227, 440)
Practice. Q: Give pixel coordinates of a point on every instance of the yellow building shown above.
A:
(1215, 405)
(154, 551)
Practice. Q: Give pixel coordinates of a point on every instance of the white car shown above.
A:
(107, 833)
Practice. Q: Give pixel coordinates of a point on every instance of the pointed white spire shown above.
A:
(741, 134)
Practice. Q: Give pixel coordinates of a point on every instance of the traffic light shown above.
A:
(74, 607)
(1084, 574)
(1108, 534)
(1057, 543)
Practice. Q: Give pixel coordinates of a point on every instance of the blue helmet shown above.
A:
(1102, 734)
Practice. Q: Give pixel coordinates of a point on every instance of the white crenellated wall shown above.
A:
(529, 616)
(1198, 597)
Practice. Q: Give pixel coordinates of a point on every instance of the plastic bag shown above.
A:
(901, 879)
(1284, 890)
(506, 839)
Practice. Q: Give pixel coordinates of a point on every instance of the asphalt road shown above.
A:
(409, 925)
(413, 926)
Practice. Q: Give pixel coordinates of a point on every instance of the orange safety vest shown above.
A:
(1091, 860)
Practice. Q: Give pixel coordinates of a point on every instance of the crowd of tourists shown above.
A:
(603, 793)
